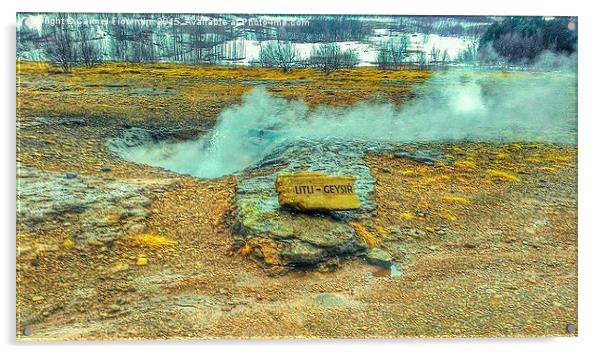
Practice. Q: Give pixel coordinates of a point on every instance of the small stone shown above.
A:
(379, 257)
(119, 267)
(114, 308)
(27, 331)
(70, 175)
(432, 248)
(137, 228)
(571, 328)
(37, 298)
(395, 272)
(105, 169)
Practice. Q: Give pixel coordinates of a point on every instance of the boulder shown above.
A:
(316, 191)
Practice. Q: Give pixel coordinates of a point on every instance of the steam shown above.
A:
(454, 106)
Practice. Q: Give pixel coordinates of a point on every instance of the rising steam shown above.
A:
(452, 106)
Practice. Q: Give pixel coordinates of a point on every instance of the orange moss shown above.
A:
(246, 249)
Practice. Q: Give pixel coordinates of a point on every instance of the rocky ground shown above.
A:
(483, 238)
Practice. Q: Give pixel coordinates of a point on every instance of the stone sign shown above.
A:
(316, 191)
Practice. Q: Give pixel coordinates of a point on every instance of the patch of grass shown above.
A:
(448, 215)
(371, 239)
(406, 216)
(149, 240)
(503, 156)
(466, 164)
(456, 200)
(502, 175)
(547, 169)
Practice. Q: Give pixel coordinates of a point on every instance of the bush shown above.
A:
(329, 57)
(279, 54)
(393, 53)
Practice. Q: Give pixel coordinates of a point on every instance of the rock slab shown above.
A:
(316, 192)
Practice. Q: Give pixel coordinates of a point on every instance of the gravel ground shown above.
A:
(480, 254)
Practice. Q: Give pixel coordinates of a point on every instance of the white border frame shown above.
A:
(589, 159)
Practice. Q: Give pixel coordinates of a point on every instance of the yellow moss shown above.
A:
(150, 240)
(502, 175)
(466, 164)
(456, 199)
(406, 216)
(503, 155)
(68, 244)
(547, 169)
(371, 239)
(423, 205)
(104, 90)
(556, 157)
(408, 173)
(142, 261)
(446, 214)
(533, 160)
(457, 150)
(381, 230)
(436, 179)
(516, 147)
(429, 229)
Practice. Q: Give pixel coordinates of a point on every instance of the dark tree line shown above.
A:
(472, 26)
(520, 40)
(327, 29)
